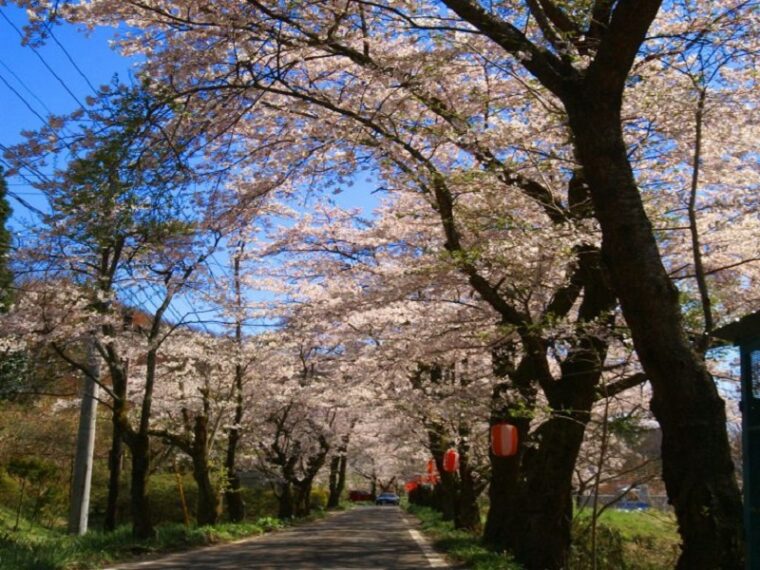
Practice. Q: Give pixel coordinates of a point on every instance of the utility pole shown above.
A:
(80, 486)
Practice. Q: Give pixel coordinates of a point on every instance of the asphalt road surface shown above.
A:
(364, 537)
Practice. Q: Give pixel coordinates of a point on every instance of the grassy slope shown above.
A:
(645, 540)
(629, 540)
(460, 546)
(41, 549)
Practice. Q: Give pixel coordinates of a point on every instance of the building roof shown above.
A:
(746, 328)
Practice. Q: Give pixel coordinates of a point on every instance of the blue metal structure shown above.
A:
(746, 334)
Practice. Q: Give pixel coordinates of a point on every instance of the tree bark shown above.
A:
(208, 501)
(303, 498)
(334, 499)
(233, 493)
(285, 508)
(142, 524)
(505, 471)
(115, 457)
(697, 466)
(467, 510)
(116, 454)
(445, 491)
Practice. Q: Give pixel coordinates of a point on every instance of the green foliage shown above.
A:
(318, 498)
(9, 488)
(638, 540)
(42, 549)
(460, 545)
(260, 501)
(14, 374)
(261, 504)
(40, 491)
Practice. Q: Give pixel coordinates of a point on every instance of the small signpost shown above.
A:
(746, 334)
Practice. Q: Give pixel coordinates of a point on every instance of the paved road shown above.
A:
(364, 537)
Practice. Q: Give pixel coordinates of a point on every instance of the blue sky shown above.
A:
(59, 89)
(28, 89)
(56, 78)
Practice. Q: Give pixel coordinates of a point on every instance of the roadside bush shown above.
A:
(318, 498)
(259, 502)
(626, 540)
(9, 489)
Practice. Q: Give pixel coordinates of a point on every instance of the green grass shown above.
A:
(638, 540)
(41, 549)
(627, 540)
(460, 546)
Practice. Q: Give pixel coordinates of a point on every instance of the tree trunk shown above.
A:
(342, 474)
(467, 510)
(540, 524)
(505, 471)
(697, 466)
(334, 499)
(116, 454)
(233, 494)
(303, 499)
(285, 508)
(142, 524)
(208, 501)
(446, 490)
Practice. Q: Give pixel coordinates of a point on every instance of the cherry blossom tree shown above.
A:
(525, 101)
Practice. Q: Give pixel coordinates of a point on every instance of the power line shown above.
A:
(71, 59)
(31, 168)
(44, 62)
(25, 86)
(23, 99)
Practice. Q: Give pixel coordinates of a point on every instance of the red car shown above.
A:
(359, 496)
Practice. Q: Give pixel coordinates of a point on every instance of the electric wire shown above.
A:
(25, 86)
(44, 61)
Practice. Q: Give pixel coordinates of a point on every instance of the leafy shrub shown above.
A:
(638, 540)
(318, 498)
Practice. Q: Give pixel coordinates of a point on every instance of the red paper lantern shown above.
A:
(503, 440)
(451, 461)
(431, 468)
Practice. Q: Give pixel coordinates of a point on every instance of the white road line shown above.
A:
(432, 556)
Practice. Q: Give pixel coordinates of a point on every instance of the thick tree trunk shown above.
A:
(233, 494)
(208, 501)
(467, 510)
(447, 494)
(697, 466)
(342, 475)
(115, 457)
(142, 524)
(285, 508)
(502, 491)
(505, 471)
(338, 472)
(540, 524)
(303, 498)
(447, 489)
(334, 499)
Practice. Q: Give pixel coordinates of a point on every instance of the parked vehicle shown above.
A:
(387, 499)
(359, 496)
